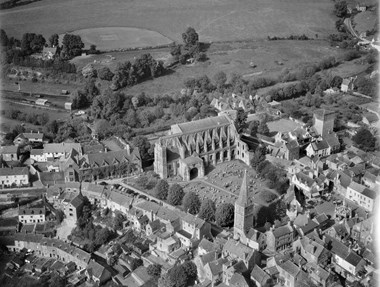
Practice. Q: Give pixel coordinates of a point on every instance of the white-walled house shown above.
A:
(18, 176)
(362, 195)
(318, 148)
(32, 215)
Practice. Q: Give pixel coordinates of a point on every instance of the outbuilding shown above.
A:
(42, 102)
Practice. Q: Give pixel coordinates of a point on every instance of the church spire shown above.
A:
(243, 196)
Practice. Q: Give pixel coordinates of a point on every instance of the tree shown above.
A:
(102, 236)
(220, 79)
(105, 74)
(103, 128)
(135, 263)
(178, 276)
(340, 9)
(54, 40)
(143, 145)
(365, 140)
(59, 215)
(224, 215)
(258, 156)
(241, 120)
(207, 210)
(3, 38)
(175, 194)
(190, 269)
(161, 189)
(154, 270)
(190, 37)
(72, 46)
(191, 202)
(263, 128)
(118, 221)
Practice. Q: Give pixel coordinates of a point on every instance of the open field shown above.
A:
(214, 19)
(282, 125)
(111, 38)
(230, 58)
(366, 21)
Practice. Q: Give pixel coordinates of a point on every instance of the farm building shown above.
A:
(49, 53)
(68, 106)
(42, 102)
(65, 92)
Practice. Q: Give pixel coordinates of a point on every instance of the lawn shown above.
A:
(282, 125)
(112, 38)
(215, 20)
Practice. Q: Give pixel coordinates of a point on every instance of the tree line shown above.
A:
(38, 119)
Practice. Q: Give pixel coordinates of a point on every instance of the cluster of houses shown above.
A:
(51, 163)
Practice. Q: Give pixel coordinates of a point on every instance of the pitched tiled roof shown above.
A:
(14, 171)
(62, 147)
(237, 249)
(290, 268)
(260, 275)
(216, 266)
(319, 145)
(331, 140)
(33, 135)
(32, 210)
(282, 230)
(369, 193)
(8, 149)
(77, 201)
(203, 124)
(321, 113)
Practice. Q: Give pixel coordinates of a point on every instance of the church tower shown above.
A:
(243, 218)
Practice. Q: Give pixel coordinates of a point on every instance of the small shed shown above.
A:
(41, 102)
(65, 92)
(68, 106)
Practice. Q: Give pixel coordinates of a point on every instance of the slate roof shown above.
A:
(207, 245)
(32, 210)
(237, 249)
(321, 113)
(108, 157)
(216, 266)
(369, 193)
(319, 145)
(331, 140)
(77, 201)
(238, 280)
(353, 259)
(14, 171)
(327, 208)
(357, 187)
(33, 135)
(96, 270)
(70, 249)
(62, 147)
(259, 275)
(8, 149)
(337, 247)
(290, 268)
(282, 230)
(203, 124)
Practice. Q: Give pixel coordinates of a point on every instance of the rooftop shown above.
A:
(199, 125)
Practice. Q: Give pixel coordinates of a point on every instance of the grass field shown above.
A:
(111, 38)
(366, 21)
(213, 19)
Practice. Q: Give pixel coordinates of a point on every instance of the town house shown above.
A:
(362, 196)
(9, 153)
(32, 215)
(280, 238)
(14, 176)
